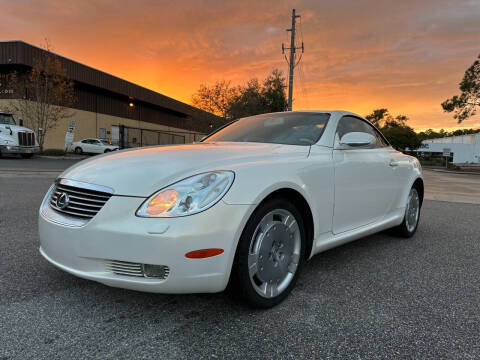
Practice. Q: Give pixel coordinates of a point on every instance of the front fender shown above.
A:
(312, 178)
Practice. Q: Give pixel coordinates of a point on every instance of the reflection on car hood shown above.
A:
(143, 171)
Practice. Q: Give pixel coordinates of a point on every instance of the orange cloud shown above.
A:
(407, 56)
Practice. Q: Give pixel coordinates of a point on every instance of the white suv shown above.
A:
(93, 146)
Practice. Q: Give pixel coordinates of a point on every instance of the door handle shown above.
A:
(393, 163)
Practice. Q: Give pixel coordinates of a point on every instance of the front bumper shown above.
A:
(115, 233)
(12, 149)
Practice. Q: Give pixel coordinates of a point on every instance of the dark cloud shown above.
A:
(405, 55)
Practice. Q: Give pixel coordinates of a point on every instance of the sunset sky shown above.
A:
(405, 55)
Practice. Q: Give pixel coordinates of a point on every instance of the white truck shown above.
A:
(15, 139)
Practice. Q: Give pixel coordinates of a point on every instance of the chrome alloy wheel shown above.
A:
(274, 253)
(412, 210)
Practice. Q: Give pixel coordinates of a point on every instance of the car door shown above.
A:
(96, 146)
(365, 182)
(85, 145)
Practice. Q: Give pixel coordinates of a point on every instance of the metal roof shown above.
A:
(21, 53)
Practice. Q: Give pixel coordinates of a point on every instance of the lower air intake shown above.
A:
(126, 268)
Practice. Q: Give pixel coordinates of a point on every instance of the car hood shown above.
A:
(142, 172)
(15, 128)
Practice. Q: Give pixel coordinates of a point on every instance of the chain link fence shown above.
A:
(130, 137)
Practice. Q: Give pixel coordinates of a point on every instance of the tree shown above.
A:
(431, 134)
(400, 135)
(377, 117)
(49, 95)
(215, 99)
(247, 101)
(401, 120)
(466, 104)
(244, 100)
(395, 129)
(274, 92)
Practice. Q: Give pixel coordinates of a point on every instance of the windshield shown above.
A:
(7, 119)
(280, 128)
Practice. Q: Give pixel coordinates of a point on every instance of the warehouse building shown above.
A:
(462, 149)
(107, 106)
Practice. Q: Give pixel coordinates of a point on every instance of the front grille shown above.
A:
(126, 268)
(80, 202)
(26, 138)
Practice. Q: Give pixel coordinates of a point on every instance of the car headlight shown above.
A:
(188, 196)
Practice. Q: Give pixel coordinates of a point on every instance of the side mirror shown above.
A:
(20, 122)
(356, 140)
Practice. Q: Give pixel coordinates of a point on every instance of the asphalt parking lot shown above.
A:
(378, 297)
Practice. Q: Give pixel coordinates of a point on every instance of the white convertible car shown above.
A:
(246, 206)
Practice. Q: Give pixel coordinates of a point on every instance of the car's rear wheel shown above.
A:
(78, 150)
(107, 151)
(409, 225)
(270, 254)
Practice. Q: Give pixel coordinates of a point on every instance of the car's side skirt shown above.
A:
(329, 240)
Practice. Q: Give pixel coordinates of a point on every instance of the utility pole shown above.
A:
(292, 62)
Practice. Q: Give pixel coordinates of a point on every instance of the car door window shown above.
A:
(349, 124)
(381, 142)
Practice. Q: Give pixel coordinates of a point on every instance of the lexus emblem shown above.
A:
(63, 200)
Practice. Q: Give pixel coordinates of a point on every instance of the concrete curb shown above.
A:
(455, 172)
(27, 170)
(63, 157)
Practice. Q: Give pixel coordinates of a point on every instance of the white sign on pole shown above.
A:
(72, 125)
(68, 140)
(447, 152)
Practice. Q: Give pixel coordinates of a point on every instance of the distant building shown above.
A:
(106, 103)
(464, 148)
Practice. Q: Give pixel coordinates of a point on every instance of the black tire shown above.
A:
(404, 230)
(78, 150)
(240, 281)
(26, 156)
(107, 151)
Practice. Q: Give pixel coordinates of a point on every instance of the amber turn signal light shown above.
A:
(203, 253)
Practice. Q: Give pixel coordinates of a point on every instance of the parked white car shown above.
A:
(93, 146)
(250, 203)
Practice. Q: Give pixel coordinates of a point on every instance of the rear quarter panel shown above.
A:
(408, 171)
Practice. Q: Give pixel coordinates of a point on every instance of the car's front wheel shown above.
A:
(409, 225)
(270, 253)
(78, 150)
